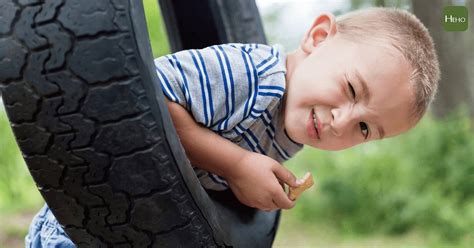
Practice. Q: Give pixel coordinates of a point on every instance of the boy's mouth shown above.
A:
(312, 126)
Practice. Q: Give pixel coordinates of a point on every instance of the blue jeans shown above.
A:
(45, 231)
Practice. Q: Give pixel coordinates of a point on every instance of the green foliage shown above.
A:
(423, 180)
(156, 29)
(17, 189)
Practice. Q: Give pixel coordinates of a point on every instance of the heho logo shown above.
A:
(455, 18)
(451, 18)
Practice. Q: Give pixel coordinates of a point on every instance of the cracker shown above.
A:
(307, 183)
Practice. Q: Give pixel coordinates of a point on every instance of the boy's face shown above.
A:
(323, 111)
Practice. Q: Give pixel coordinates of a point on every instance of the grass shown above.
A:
(296, 234)
(15, 227)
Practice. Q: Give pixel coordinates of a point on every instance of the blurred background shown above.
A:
(415, 190)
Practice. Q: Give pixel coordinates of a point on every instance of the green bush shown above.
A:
(422, 180)
(156, 29)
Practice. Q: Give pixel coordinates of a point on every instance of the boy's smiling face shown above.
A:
(342, 93)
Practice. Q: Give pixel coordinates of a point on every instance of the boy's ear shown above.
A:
(323, 27)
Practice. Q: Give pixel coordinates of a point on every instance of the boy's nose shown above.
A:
(341, 119)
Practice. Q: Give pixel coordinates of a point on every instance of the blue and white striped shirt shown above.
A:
(236, 90)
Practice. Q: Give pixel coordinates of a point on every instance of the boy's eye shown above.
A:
(352, 90)
(365, 129)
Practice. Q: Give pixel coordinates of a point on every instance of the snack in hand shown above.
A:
(307, 183)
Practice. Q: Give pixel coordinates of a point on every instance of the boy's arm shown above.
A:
(205, 149)
(253, 177)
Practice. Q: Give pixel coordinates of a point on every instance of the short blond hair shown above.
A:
(407, 34)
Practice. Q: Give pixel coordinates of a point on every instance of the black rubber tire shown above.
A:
(84, 102)
(198, 24)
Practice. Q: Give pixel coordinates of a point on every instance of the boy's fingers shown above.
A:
(283, 185)
(281, 200)
(285, 175)
(271, 205)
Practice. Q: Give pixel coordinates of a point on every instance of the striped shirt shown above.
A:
(236, 90)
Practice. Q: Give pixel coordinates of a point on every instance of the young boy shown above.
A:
(242, 109)
(367, 76)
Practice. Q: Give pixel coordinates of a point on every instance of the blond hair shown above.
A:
(406, 33)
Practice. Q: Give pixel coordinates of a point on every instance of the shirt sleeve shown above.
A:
(221, 86)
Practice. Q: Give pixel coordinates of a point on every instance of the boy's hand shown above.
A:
(256, 182)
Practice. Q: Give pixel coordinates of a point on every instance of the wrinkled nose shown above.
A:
(341, 119)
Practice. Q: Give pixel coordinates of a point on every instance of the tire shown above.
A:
(84, 102)
(198, 24)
